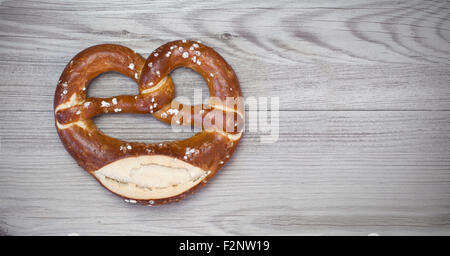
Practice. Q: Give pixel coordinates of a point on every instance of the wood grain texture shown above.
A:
(364, 140)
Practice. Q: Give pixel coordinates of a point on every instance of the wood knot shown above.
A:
(226, 36)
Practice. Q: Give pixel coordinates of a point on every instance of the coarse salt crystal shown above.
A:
(105, 104)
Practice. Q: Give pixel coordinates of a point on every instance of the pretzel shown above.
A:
(154, 173)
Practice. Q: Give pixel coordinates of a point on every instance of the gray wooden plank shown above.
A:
(316, 56)
(364, 122)
(338, 173)
(300, 87)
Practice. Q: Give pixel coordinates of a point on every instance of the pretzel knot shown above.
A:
(160, 172)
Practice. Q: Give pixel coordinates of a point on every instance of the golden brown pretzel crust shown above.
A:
(94, 151)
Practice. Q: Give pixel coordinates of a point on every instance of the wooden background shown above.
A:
(364, 144)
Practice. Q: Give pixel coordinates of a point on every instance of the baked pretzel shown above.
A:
(150, 173)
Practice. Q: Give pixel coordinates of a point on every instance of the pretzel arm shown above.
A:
(92, 107)
(202, 116)
(137, 104)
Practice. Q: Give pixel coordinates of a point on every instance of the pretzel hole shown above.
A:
(187, 84)
(139, 127)
(110, 84)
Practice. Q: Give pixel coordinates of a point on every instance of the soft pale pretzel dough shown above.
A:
(144, 177)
